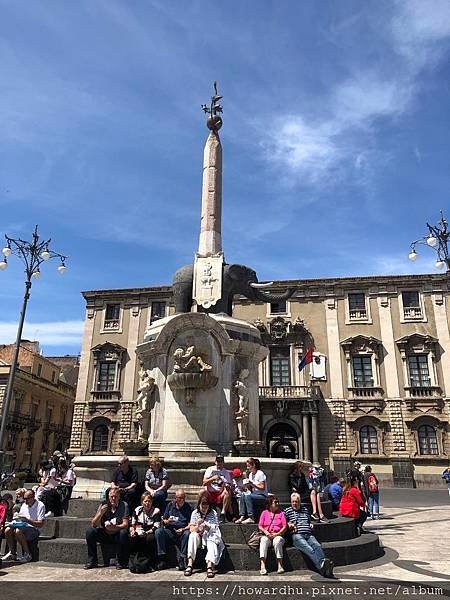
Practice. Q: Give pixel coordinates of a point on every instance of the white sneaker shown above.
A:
(280, 570)
(10, 556)
(49, 514)
(25, 558)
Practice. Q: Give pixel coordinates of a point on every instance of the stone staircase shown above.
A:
(63, 541)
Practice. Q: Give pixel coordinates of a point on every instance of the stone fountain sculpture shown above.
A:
(201, 358)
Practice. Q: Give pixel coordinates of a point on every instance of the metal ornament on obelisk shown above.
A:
(207, 280)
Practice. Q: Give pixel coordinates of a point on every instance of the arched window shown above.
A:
(368, 440)
(282, 441)
(100, 438)
(427, 440)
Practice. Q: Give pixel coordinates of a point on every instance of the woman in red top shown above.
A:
(352, 503)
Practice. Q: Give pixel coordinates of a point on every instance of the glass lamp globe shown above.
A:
(431, 241)
(36, 274)
(412, 255)
(3, 265)
(45, 255)
(439, 264)
(6, 251)
(62, 269)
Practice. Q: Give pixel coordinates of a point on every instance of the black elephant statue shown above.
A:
(236, 279)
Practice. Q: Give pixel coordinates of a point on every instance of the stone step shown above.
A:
(237, 556)
(80, 507)
(340, 528)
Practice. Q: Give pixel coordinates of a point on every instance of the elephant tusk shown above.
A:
(261, 285)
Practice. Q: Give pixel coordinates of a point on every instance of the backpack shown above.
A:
(372, 483)
(139, 562)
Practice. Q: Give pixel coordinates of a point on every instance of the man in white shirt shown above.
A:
(217, 480)
(32, 513)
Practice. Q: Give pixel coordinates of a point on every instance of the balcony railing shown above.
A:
(366, 392)
(111, 324)
(285, 391)
(111, 395)
(357, 314)
(424, 391)
(412, 312)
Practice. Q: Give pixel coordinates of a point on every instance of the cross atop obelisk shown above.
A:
(211, 221)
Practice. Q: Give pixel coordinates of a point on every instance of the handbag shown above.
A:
(254, 539)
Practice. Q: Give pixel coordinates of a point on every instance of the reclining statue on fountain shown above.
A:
(187, 362)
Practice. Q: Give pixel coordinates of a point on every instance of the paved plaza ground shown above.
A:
(414, 531)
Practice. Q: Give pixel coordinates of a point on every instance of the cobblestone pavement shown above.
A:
(416, 543)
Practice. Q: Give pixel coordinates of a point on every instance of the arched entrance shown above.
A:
(282, 441)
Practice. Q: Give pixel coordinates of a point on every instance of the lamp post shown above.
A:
(437, 238)
(32, 254)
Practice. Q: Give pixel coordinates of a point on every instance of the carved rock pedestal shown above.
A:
(249, 448)
(195, 359)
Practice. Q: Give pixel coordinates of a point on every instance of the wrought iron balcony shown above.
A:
(111, 324)
(412, 313)
(357, 314)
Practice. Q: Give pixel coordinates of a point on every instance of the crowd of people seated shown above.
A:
(145, 527)
(142, 527)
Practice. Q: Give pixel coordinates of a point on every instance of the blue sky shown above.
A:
(335, 138)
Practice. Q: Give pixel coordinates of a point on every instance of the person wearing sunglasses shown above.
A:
(273, 525)
(204, 531)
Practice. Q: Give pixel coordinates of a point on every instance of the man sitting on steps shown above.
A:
(299, 523)
(109, 526)
(30, 519)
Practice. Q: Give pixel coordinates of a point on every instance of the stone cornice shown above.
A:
(320, 287)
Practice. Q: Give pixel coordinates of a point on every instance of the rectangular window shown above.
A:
(106, 377)
(48, 415)
(362, 371)
(158, 311)
(112, 316)
(419, 375)
(280, 366)
(357, 306)
(39, 370)
(411, 305)
(278, 308)
(53, 376)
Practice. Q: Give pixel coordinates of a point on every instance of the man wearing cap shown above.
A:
(217, 480)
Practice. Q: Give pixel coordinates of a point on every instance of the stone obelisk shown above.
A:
(207, 287)
(210, 242)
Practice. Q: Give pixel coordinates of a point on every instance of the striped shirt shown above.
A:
(300, 518)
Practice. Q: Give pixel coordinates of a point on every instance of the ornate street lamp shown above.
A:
(437, 239)
(32, 254)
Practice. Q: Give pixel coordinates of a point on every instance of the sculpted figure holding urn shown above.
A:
(146, 385)
(242, 412)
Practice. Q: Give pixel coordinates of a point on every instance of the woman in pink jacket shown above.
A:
(272, 523)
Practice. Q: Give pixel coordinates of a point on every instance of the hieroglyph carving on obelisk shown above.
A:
(209, 258)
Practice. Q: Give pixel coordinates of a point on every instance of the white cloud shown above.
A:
(57, 333)
(311, 147)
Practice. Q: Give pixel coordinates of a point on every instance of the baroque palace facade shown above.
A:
(377, 390)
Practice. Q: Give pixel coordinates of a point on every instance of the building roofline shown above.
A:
(280, 283)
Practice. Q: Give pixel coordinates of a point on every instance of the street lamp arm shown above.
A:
(437, 239)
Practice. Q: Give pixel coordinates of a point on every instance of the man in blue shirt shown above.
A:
(175, 531)
(333, 492)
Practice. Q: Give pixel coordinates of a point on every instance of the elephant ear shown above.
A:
(235, 271)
